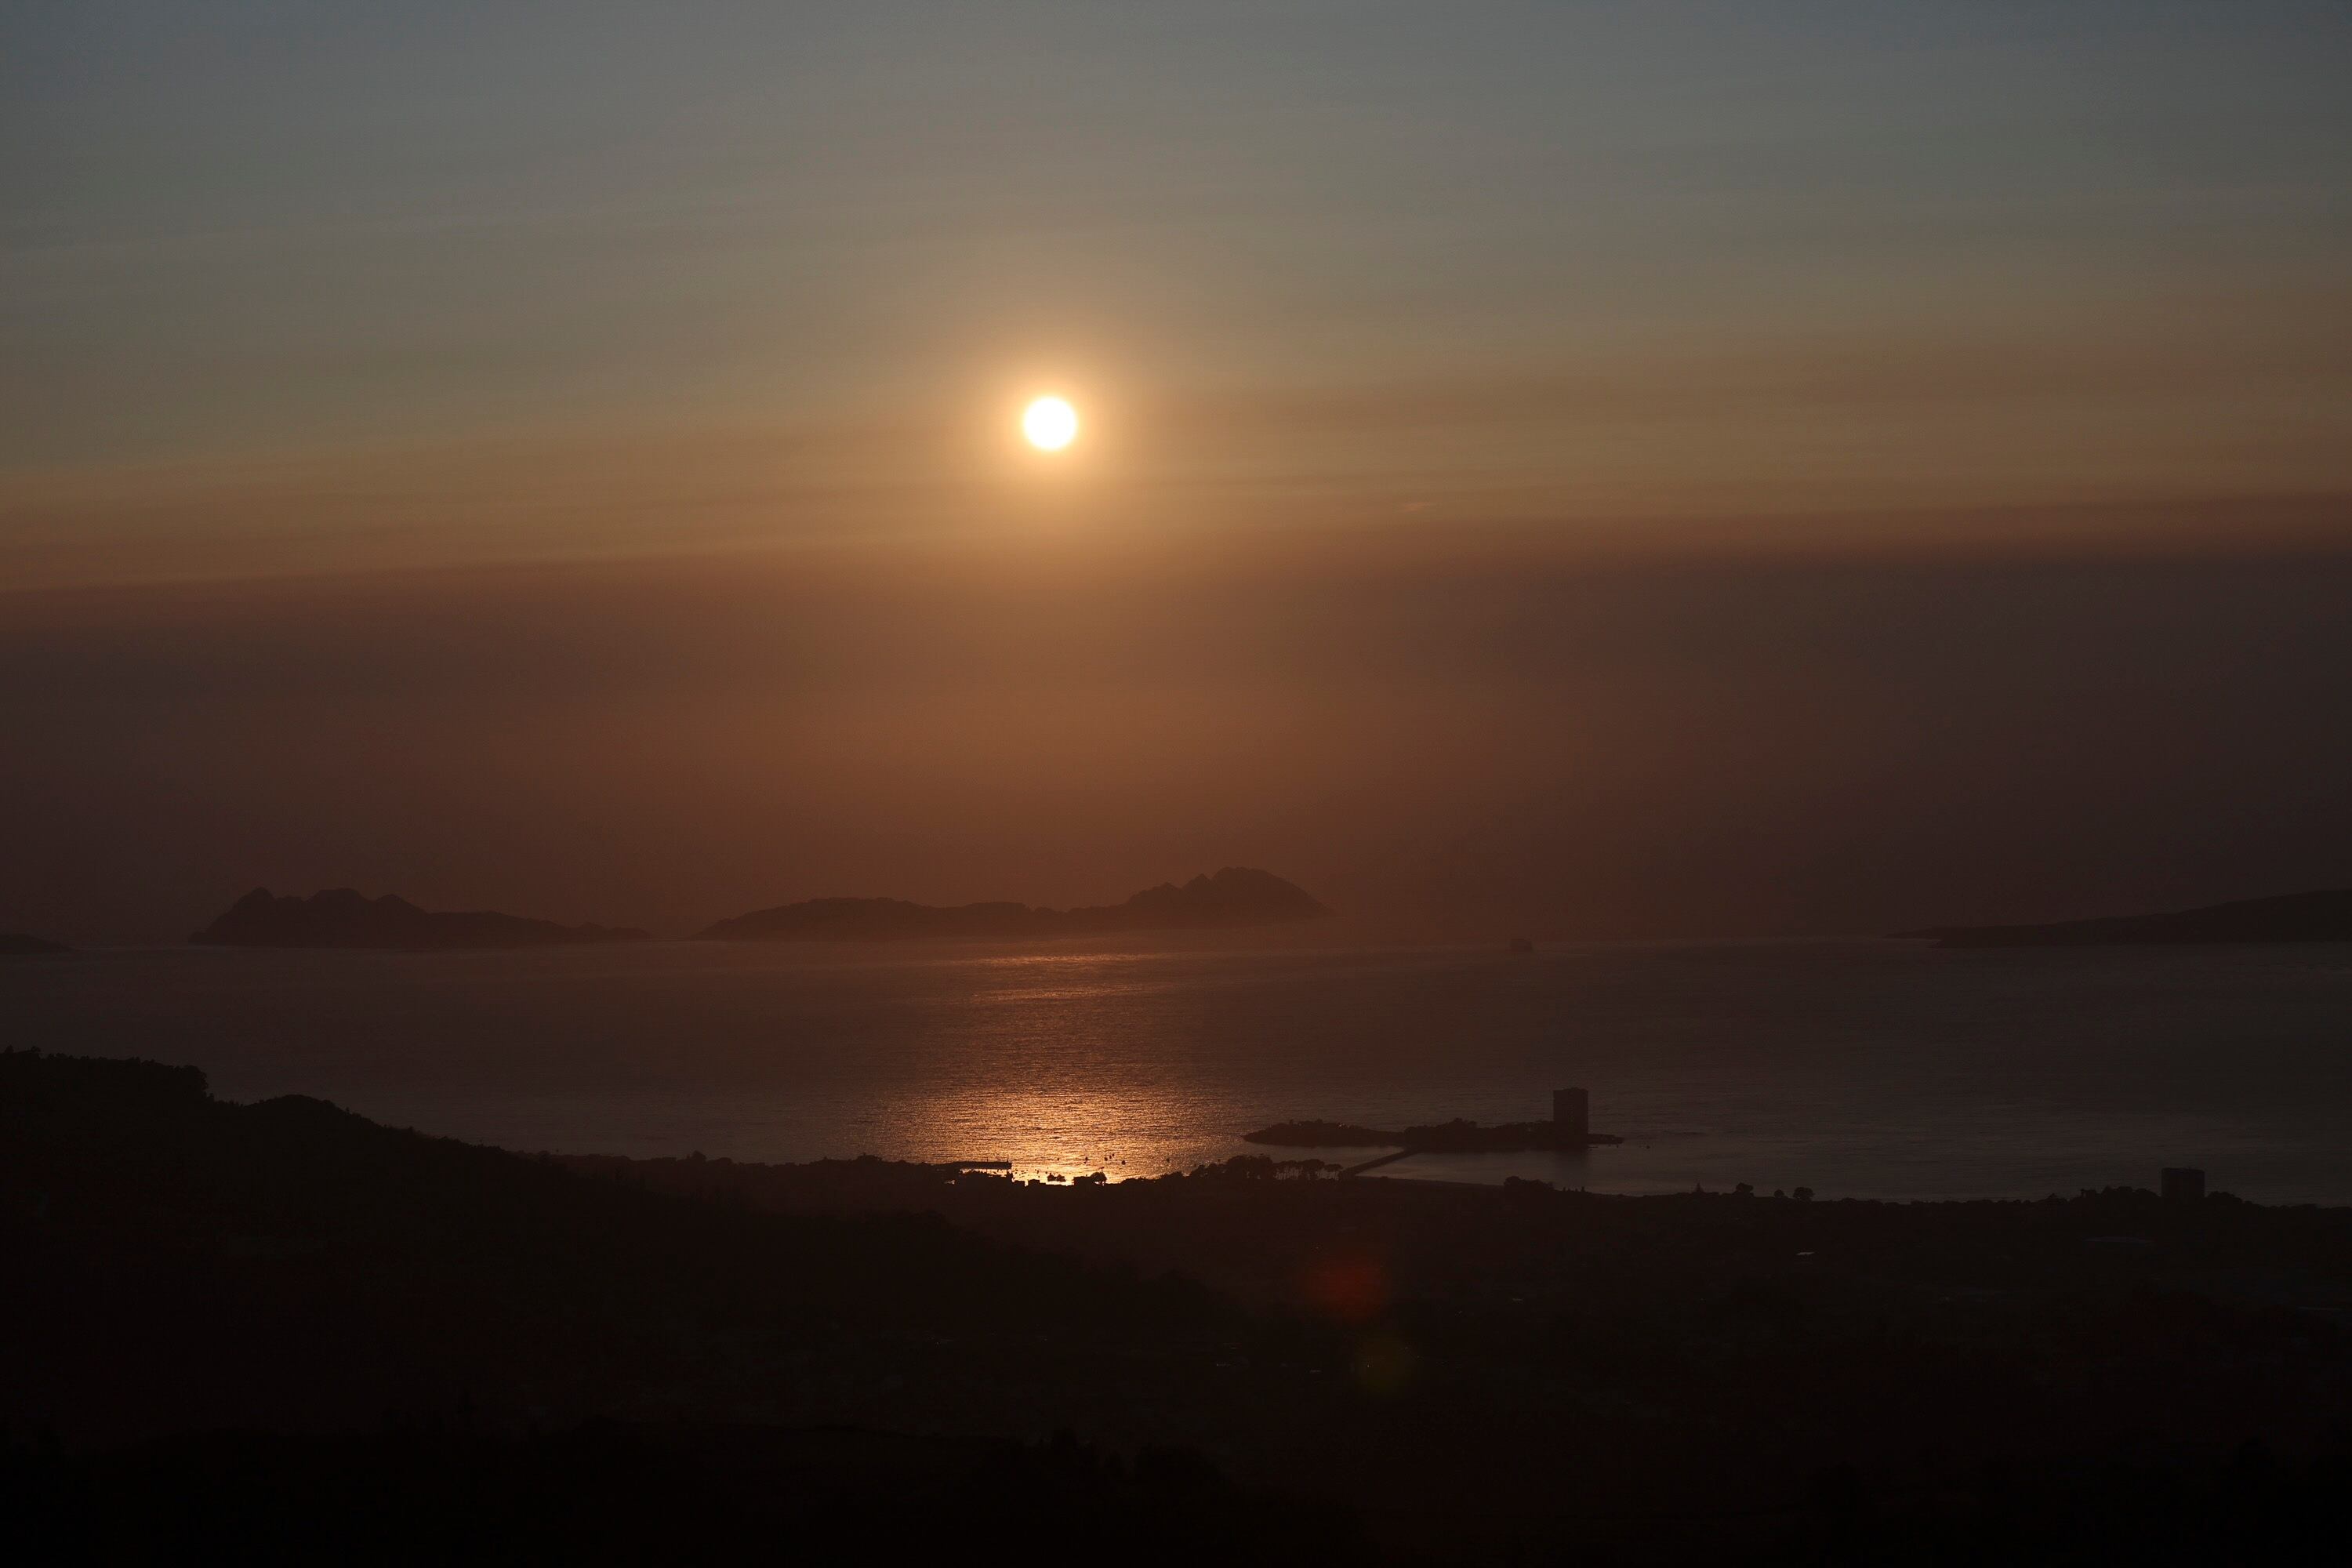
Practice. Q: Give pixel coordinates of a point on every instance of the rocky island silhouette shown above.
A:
(1236, 896)
(16, 944)
(342, 918)
(2324, 915)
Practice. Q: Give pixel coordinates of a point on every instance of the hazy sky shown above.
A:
(514, 394)
(387, 275)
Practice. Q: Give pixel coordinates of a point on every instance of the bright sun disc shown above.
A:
(1050, 424)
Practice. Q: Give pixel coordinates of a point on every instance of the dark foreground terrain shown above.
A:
(277, 1331)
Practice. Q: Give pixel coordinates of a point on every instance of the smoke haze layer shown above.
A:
(1473, 736)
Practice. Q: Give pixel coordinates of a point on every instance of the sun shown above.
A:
(1050, 424)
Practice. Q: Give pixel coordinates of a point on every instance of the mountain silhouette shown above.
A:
(342, 918)
(1236, 896)
(2321, 916)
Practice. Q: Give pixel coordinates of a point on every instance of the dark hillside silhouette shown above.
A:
(1238, 896)
(2323, 916)
(342, 918)
(179, 1262)
(413, 1335)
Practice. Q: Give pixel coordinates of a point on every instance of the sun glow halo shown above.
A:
(1050, 424)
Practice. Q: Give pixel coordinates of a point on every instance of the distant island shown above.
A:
(1235, 897)
(2324, 916)
(16, 944)
(342, 918)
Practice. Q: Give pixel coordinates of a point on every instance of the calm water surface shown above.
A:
(1866, 1069)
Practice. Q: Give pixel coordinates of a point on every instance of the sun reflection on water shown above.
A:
(1858, 1068)
(1066, 1132)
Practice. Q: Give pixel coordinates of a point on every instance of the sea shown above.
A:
(1873, 1069)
